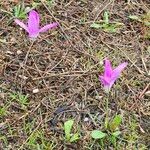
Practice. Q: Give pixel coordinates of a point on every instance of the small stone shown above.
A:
(86, 119)
(19, 52)
(147, 93)
(35, 91)
(23, 77)
(27, 9)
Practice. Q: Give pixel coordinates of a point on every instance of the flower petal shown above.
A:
(107, 84)
(117, 71)
(108, 69)
(49, 26)
(103, 80)
(33, 23)
(21, 24)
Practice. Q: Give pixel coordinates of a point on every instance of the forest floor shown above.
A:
(46, 82)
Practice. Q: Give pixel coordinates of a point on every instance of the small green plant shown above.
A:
(22, 99)
(106, 25)
(38, 141)
(3, 111)
(111, 133)
(50, 2)
(68, 135)
(3, 140)
(20, 11)
(114, 124)
(145, 19)
(114, 131)
(99, 135)
(29, 126)
(96, 134)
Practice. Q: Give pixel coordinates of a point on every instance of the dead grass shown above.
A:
(64, 65)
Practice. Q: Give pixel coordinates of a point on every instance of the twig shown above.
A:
(74, 73)
(25, 59)
(66, 36)
(142, 93)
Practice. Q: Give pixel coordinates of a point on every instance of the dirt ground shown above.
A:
(45, 82)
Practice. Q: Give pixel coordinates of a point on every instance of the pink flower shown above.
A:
(111, 75)
(32, 26)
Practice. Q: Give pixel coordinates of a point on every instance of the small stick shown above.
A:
(142, 93)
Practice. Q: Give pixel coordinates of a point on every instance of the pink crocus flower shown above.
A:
(111, 75)
(32, 26)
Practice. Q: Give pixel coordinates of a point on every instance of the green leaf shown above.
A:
(67, 127)
(74, 138)
(16, 12)
(114, 124)
(110, 28)
(116, 133)
(96, 134)
(19, 12)
(3, 111)
(96, 25)
(113, 140)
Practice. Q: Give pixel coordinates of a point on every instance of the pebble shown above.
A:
(35, 91)
(86, 119)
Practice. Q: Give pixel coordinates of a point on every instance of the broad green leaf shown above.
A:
(116, 133)
(96, 134)
(67, 127)
(74, 138)
(114, 124)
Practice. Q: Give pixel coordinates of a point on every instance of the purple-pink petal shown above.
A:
(21, 24)
(33, 22)
(110, 75)
(32, 26)
(108, 69)
(103, 80)
(118, 70)
(49, 26)
(107, 84)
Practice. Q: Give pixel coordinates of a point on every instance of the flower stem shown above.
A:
(107, 111)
